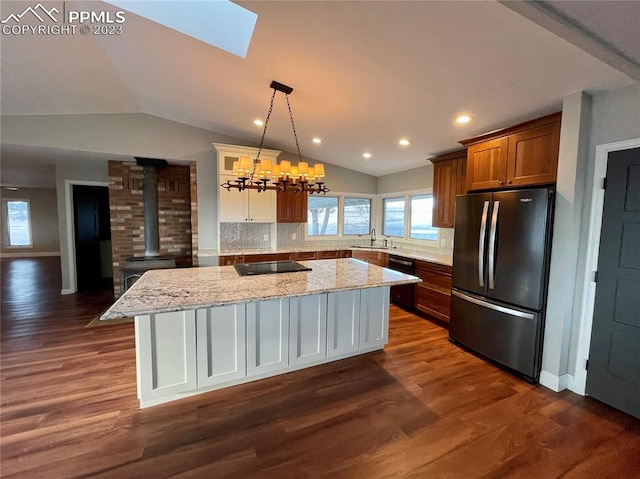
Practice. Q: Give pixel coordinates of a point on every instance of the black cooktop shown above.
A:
(269, 267)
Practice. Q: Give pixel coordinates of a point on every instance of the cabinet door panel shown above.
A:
(262, 206)
(444, 193)
(166, 353)
(308, 323)
(233, 205)
(533, 156)
(221, 344)
(433, 302)
(343, 322)
(487, 164)
(267, 336)
(374, 317)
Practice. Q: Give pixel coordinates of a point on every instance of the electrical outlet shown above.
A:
(266, 237)
(443, 243)
(293, 236)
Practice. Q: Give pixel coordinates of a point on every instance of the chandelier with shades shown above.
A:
(261, 174)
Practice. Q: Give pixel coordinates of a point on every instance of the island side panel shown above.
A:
(166, 345)
(308, 326)
(267, 336)
(221, 344)
(374, 317)
(343, 323)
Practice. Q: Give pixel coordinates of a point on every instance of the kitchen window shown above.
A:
(393, 213)
(322, 216)
(338, 216)
(18, 223)
(421, 213)
(409, 217)
(357, 216)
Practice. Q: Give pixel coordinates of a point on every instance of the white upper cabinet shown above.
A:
(248, 205)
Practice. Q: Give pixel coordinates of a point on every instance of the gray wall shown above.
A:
(615, 116)
(587, 122)
(44, 221)
(339, 179)
(415, 179)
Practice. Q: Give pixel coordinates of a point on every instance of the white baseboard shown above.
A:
(555, 383)
(578, 382)
(67, 291)
(29, 254)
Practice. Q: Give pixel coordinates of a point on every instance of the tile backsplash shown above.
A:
(252, 236)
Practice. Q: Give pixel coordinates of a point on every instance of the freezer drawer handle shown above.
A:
(495, 307)
(481, 242)
(492, 245)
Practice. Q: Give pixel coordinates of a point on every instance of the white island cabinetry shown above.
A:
(243, 342)
(201, 329)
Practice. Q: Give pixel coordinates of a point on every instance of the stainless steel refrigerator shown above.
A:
(502, 246)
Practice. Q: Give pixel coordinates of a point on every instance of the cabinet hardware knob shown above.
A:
(509, 181)
(500, 182)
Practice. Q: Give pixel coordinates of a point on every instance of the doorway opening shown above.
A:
(92, 238)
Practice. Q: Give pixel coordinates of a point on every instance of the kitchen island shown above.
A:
(201, 329)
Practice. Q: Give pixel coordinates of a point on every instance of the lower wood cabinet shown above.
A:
(433, 295)
(372, 257)
(259, 258)
(306, 255)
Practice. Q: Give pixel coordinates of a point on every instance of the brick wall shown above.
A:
(175, 192)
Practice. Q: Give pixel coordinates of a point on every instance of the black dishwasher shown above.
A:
(402, 295)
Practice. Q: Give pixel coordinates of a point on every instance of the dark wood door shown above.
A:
(91, 224)
(613, 375)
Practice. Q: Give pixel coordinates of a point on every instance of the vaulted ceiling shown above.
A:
(365, 74)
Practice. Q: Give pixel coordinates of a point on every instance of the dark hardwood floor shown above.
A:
(421, 409)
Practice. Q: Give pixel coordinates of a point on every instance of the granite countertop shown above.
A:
(179, 289)
(443, 259)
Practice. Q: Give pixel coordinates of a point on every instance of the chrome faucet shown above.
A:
(373, 236)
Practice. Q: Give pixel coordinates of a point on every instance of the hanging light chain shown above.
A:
(293, 126)
(264, 131)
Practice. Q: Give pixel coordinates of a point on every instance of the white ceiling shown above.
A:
(364, 73)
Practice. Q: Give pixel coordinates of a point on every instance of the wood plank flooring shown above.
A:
(423, 408)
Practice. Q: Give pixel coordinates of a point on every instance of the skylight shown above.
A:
(219, 23)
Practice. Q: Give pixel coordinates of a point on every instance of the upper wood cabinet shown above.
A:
(292, 207)
(448, 181)
(522, 155)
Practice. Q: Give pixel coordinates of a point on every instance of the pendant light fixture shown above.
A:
(259, 174)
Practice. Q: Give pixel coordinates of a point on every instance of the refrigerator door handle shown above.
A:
(492, 245)
(481, 243)
(495, 307)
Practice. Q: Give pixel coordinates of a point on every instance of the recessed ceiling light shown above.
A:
(258, 122)
(317, 140)
(462, 119)
(404, 142)
(367, 155)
